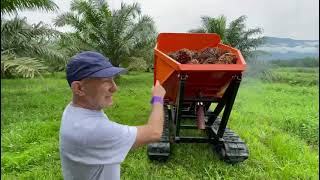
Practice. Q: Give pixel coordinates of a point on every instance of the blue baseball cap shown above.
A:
(90, 64)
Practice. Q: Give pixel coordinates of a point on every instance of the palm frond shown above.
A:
(22, 66)
(235, 31)
(123, 17)
(71, 19)
(213, 25)
(18, 34)
(11, 6)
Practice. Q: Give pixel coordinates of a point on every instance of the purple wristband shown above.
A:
(156, 99)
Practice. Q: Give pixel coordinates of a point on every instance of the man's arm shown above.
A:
(152, 131)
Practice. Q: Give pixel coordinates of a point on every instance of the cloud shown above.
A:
(286, 49)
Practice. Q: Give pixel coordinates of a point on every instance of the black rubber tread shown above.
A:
(235, 148)
(160, 151)
(165, 133)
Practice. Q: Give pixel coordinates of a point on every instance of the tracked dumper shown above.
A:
(191, 90)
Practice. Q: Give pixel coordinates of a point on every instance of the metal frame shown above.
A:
(226, 103)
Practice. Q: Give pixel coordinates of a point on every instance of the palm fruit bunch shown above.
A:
(204, 56)
(227, 58)
(183, 56)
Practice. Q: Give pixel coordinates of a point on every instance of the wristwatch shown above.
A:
(156, 99)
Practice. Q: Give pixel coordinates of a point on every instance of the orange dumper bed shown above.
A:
(207, 80)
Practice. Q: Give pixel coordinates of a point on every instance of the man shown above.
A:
(92, 146)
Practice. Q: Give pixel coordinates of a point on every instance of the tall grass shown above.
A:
(294, 76)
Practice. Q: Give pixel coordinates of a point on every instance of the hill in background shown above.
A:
(286, 48)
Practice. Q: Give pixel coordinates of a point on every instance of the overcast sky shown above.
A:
(297, 19)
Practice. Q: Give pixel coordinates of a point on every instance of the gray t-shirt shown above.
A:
(92, 146)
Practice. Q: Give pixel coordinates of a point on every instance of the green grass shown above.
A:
(278, 121)
(296, 76)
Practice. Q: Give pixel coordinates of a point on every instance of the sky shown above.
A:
(296, 19)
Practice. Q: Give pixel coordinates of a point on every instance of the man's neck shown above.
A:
(84, 105)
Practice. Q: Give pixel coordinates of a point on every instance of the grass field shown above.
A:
(279, 121)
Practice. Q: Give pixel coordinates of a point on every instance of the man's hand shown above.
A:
(158, 90)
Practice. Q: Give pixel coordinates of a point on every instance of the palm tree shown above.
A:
(122, 35)
(19, 39)
(23, 39)
(25, 48)
(28, 43)
(235, 35)
(11, 6)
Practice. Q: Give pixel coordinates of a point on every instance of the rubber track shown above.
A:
(236, 149)
(161, 150)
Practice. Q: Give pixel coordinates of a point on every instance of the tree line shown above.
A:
(300, 62)
(125, 35)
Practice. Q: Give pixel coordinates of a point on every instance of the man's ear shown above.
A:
(77, 88)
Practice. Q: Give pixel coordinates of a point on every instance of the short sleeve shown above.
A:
(105, 143)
